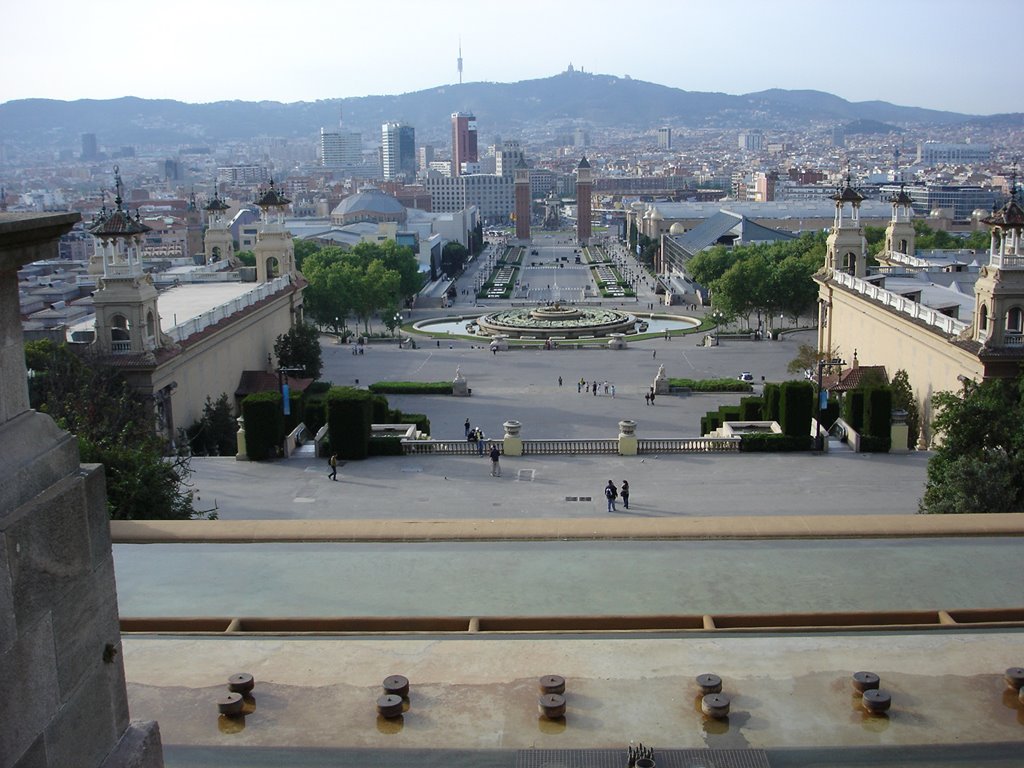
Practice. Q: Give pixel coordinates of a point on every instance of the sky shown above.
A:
(941, 54)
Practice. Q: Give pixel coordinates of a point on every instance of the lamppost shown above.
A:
(819, 441)
(398, 321)
(717, 315)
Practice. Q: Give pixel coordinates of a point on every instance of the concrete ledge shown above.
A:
(773, 527)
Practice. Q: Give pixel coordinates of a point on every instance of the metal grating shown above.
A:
(664, 758)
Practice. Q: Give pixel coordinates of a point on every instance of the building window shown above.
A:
(983, 318)
(150, 325)
(1013, 320)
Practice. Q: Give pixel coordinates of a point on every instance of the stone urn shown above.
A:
(628, 443)
(513, 443)
(616, 341)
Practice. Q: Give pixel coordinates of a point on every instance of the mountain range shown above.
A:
(569, 99)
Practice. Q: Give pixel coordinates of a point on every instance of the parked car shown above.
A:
(745, 376)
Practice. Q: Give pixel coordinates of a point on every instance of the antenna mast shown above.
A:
(459, 60)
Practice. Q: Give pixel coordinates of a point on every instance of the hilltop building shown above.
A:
(464, 141)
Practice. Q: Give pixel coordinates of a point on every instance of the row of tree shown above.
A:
(369, 278)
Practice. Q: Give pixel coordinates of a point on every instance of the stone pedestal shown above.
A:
(459, 386)
(617, 341)
(661, 382)
(499, 342)
(628, 443)
(241, 454)
(513, 443)
(899, 434)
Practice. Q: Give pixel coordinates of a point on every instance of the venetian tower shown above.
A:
(584, 188)
(999, 292)
(274, 249)
(899, 234)
(193, 227)
(522, 187)
(127, 320)
(846, 248)
(218, 243)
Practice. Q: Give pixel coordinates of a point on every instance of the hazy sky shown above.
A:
(943, 54)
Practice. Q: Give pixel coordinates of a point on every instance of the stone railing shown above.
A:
(213, 316)
(689, 445)
(901, 304)
(574, 447)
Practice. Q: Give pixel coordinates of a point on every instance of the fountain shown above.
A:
(557, 321)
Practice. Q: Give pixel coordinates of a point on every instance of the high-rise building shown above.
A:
(665, 138)
(340, 149)
(506, 159)
(523, 201)
(752, 141)
(584, 190)
(398, 151)
(425, 154)
(89, 150)
(464, 147)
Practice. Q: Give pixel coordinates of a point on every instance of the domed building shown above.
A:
(368, 205)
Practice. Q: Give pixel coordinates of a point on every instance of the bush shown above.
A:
(872, 444)
(772, 398)
(712, 385)
(419, 419)
(853, 410)
(349, 415)
(714, 421)
(297, 406)
(411, 388)
(751, 409)
(878, 412)
(385, 446)
(704, 422)
(730, 413)
(264, 425)
(381, 414)
(795, 408)
(830, 414)
(763, 443)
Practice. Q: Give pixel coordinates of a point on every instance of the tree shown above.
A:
(979, 465)
(303, 250)
(807, 358)
(115, 427)
(903, 399)
(215, 433)
(247, 258)
(300, 348)
(453, 258)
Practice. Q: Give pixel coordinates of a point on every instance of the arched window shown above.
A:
(215, 255)
(1013, 320)
(120, 329)
(850, 262)
(903, 246)
(150, 324)
(273, 268)
(983, 318)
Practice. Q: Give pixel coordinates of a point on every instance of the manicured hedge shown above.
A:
(349, 416)
(411, 388)
(704, 426)
(772, 398)
(762, 442)
(713, 385)
(264, 425)
(380, 412)
(878, 420)
(419, 419)
(795, 409)
(752, 409)
(297, 401)
(730, 413)
(853, 409)
(385, 446)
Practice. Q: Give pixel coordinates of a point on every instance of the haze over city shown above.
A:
(936, 54)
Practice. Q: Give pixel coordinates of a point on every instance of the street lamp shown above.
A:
(717, 315)
(819, 441)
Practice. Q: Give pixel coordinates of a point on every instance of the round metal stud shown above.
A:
(865, 681)
(715, 705)
(241, 682)
(230, 703)
(552, 705)
(709, 683)
(397, 684)
(552, 684)
(389, 705)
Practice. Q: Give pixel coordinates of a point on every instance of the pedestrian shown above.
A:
(612, 388)
(559, 381)
(625, 494)
(611, 493)
(652, 395)
(480, 439)
(594, 388)
(579, 386)
(333, 464)
(647, 398)
(655, 355)
(466, 427)
(495, 467)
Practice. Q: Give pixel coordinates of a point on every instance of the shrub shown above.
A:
(714, 420)
(795, 407)
(349, 415)
(419, 419)
(385, 446)
(853, 410)
(297, 406)
(704, 426)
(264, 425)
(772, 398)
(751, 409)
(730, 413)
(878, 412)
(381, 414)
(411, 388)
(872, 444)
(762, 442)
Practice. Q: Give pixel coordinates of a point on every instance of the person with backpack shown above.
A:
(333, 464)
(495, 467)
(611, 493)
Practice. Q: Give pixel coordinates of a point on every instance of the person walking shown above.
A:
(495, 467)
(559, 381)
(655, 355)
(611, 493)
(333, 464)
(647, 398)
(624, 493)
(466, 427)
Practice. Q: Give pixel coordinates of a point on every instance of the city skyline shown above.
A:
(895, 52)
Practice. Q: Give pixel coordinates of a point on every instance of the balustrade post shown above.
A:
(513, 442)
(628, 444)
